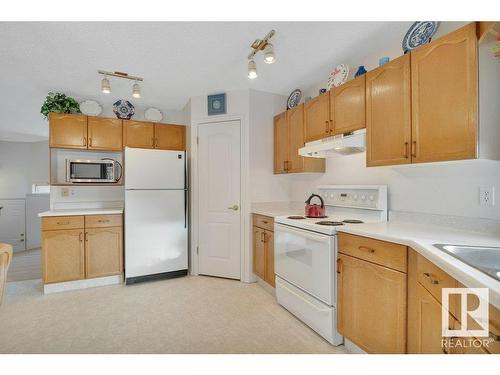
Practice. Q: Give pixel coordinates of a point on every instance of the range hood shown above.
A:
(343, 144)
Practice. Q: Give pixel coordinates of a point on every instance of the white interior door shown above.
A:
(219, 245)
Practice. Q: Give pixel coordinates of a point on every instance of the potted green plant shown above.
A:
(60, 103)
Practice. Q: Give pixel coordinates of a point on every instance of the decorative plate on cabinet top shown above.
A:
(294, 99)
(123, 109)
(90, 108)
(419, 33)
(338, 76)
(153, 114)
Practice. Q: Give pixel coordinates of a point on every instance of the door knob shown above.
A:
(234, 207)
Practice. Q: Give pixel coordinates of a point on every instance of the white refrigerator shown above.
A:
(155, 214)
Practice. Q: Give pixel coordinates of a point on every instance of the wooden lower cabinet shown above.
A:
(371, 303)
(103, 252)
(63, 255)
(263, 248)
(85, 252)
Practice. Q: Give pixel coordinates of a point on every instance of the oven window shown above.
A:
(88, 170)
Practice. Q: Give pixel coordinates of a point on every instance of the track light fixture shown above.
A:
(266, 47)
(252, 69)
(106, 87)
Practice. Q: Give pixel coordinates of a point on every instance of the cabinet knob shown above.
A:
(368, 249)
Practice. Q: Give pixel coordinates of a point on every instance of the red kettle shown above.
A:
(315, 210)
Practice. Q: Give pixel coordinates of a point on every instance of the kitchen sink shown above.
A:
(483, 258)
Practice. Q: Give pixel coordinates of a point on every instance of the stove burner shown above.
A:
(296, 217)
(352, 221)
(317, 217)
(330, 223)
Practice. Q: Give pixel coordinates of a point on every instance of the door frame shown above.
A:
(245, 241)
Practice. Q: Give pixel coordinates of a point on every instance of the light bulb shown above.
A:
(105, 86)
(252, 69)
(269, 57)
(136, 90)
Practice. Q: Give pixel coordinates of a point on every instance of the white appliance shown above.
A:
(155, 214)
(342, 144)
(305, 253)
(100, 170)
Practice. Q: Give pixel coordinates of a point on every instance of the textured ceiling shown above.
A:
(177, 61)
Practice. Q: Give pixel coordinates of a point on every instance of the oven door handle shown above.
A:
(303, 233)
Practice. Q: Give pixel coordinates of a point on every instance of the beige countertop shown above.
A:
(422, 237)
(78, 212)
(273, 209)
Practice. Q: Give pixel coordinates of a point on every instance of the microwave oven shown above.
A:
(93, 171)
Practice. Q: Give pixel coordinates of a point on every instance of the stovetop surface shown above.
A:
(327, 225)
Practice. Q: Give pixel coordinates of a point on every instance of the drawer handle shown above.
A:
(80, 236)
(63, 223)
(86, 236)
(339, 266)
(103, 221)
(265, 221)
(431, 279)
(364, 248)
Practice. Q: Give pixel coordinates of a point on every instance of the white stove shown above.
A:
(305, 253)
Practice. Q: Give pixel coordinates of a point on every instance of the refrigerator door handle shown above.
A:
(185, 208)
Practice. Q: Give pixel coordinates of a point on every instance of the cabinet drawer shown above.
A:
(264, 222)
(434, 278)
(386, 254)
(99, 221)
(62, 222)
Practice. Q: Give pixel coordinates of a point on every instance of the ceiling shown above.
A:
(178, 60)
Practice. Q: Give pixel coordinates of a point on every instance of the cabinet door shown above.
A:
(62, 255)
(347, 106)
(67, 130)
(103, 252)
(259, 253)
(104, 133)
(371, 303)
(317, 118)
(388, 113)
(444, 97)
(269, 257)
(170, 137)
(295, 120)
(138, 134)
(427, 336)
(280, 143)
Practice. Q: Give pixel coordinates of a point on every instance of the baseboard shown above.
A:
(82, 284)
(352, 347)
(268, 288)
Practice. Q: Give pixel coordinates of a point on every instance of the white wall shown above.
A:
(438, 188)
(265, 186)
(21, 165)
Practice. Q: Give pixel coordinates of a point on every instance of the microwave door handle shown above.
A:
(120, 168)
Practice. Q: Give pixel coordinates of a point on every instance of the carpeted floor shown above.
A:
(193, 314)
(26, 265)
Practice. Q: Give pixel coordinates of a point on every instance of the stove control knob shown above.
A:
(355, 197)
(372, 198)
(363, 197)
(325, 195)
(332, 196)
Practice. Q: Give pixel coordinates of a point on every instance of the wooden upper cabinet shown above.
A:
(347, 106)
(138, 134)
(388, 113)
(371, 305)
(444, 77)
(104, 133)
(67, 130)
(317, 118)
(295, 120)
(170, 137)
(280, 143)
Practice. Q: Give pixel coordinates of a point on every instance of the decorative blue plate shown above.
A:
(294, 99)
(123, 109)
(419, 33)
